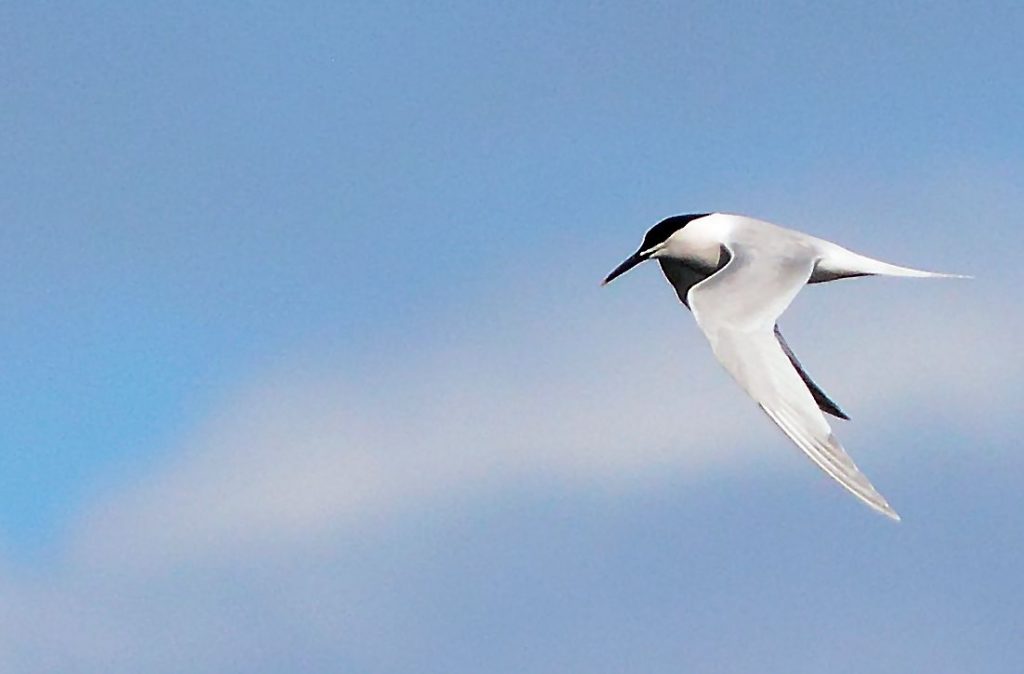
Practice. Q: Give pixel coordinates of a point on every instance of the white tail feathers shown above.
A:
(840, 262)
(886, 269)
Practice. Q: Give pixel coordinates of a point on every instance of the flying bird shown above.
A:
(737, 275)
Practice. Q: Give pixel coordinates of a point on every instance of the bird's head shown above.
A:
(657, 243)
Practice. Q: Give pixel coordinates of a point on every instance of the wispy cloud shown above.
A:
(615, 400)
(591, 392)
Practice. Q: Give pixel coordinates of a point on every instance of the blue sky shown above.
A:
(307, 367)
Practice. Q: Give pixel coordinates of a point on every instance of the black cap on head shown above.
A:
(666, 228)
(655, 235)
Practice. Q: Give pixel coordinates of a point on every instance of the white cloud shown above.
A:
(609, 392)
(596, 391)
(300, 456)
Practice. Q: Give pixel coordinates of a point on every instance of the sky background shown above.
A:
(306, 366)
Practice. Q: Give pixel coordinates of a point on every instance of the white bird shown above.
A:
(737, 275)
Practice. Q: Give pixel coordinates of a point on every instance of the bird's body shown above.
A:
(737, 275)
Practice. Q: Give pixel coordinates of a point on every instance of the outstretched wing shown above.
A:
(737, 308)
(683, 277)
(825, 404)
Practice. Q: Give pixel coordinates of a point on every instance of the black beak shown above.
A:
(632, 261)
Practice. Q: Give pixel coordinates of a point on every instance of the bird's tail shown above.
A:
(885, 269)
(841, 263)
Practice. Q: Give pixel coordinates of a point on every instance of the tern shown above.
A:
(737, 275)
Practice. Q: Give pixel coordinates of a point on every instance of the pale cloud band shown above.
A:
(600, 393)
(303, 455)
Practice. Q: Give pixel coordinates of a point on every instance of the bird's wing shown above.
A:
(683, 277)
(736, 308)
(825, 404)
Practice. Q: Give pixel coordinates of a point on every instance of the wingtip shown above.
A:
(884, 508)
(877, 502)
